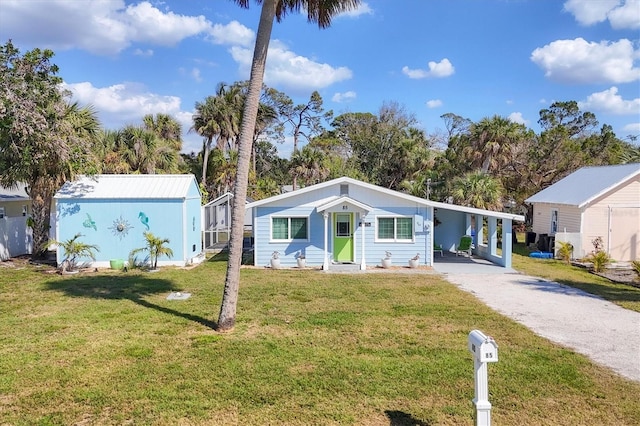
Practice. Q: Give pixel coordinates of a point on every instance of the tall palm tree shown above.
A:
(166, 128)
(138, 149)
(208, 128)
(318, 11)
(477, 189)
(308, 165)
(217, 121)
(492, 142)
(267, 115)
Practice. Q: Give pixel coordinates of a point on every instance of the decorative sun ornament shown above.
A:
(120, 227)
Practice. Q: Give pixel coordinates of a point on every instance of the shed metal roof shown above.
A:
(127, 187)
(586, 184)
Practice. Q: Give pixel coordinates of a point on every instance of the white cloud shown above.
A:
(127, 103)
(517, 117)
(147, 23)
(234, 33)
(579, 61)
(195, 73)
(434, 103)
(286, 69)
(611, 102)
(98, 26)
(140, 52)
(444, 68)
(623, 14)
(632, 128)
(123, 102)
(362, 9)
(344, 97)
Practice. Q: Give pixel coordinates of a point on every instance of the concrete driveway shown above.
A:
(560, 313)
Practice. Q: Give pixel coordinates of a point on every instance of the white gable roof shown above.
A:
(18, 193)
(390, 192)
(586, 184)
(127, 187)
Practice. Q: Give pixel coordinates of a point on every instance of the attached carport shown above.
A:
(487, 227)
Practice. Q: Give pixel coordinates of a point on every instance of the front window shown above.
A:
(289, 228)
(394, 229)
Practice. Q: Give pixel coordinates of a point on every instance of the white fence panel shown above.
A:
(575, 238)
(15, 237)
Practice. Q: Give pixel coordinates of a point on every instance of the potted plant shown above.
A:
(301, 260)
(156, 248)
(386, 262)
(73, 249)
(275, 260)
(414, 261)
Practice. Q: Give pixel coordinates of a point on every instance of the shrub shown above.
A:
(599, 260)
(155, 247)
(635, 265)
(565, 251)
(74, 249)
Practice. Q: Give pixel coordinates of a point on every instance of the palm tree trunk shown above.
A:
(41, 195)
(205, 161)
(227, 318)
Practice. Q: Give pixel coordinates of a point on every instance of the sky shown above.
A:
(472, 58)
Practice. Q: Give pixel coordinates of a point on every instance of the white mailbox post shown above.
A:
(484, 350)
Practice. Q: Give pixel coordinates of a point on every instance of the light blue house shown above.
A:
(348, 221)
(114, 211)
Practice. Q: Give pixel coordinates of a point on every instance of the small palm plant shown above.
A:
(74, 249)
(156, 248)
(635, 265)
(565, 251)
(599, 258)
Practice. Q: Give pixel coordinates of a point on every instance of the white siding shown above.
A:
(568, 218)
(616, 218)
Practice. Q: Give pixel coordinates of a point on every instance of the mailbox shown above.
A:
(483, 347)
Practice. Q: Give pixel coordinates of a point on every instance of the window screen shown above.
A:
(280, 228)
(385, 228)
(289, 228)
(299, 228)
(405, 228)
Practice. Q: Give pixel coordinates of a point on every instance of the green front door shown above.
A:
(343, 237)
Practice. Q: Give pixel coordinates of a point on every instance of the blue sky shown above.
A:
(473, 58)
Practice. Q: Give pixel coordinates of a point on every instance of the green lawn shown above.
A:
(621, 294)
(309, 349)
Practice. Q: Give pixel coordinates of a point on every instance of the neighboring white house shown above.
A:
(345, 220)
(593, 202)
(15, 207)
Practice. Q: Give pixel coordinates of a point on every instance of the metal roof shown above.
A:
(18, 193)
(389, 192)
(586, 184)
(127, 187)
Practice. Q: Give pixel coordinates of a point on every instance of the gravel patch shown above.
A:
(603, 331)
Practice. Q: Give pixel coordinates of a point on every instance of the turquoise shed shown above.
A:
(114, 211)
